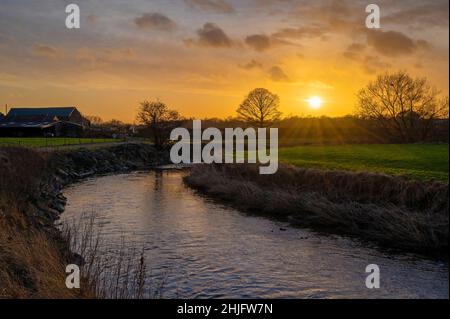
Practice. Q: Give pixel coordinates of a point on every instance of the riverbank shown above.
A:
(199, 248)
(394, 212)
(33, 253)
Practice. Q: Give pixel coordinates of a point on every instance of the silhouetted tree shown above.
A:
(159, 119)
(94, 120)
(404, 108)
(260, 108)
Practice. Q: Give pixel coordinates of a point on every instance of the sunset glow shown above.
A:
(315, 102)
(203, 59)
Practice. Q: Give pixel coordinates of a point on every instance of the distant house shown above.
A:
(48, 121)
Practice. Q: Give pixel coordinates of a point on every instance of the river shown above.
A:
(206, 250)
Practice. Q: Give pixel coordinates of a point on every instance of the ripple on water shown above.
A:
(206, 250)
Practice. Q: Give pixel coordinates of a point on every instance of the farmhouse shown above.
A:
(46, 121)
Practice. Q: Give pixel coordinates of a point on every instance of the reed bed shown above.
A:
(391, 211)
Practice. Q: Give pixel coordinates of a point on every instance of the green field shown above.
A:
(413, 160)
(51, 141)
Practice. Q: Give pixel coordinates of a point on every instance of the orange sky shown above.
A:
(202, 56)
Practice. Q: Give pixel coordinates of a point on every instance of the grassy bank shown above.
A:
(418, 161)
(394, 212)
(32, 257)
(33, 252)
(52, 141)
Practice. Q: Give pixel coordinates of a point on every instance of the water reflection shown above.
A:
(206, 250)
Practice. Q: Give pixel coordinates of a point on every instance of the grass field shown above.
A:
(51, 142)
(413, 160)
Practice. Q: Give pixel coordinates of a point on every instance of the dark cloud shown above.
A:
(258, 42)
(393, 43)
(253, 64)
(155, 21)
(211, 35)
(277, 74)
(220, 6)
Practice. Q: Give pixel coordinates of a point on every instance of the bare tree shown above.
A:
(260, 107)
(159, 119)
(94, 120)
(405, 108)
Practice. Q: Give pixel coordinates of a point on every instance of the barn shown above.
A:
(43, 121)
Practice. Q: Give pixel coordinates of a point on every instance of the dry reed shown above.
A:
(394, 212)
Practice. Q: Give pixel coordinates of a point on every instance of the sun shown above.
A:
(315, 102)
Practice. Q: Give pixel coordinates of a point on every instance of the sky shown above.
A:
(202, 57)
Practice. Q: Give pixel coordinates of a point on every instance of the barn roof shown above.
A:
(42, 111)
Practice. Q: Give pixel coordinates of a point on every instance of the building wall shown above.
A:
(68, 126)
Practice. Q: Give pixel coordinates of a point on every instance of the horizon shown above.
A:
(202, 57)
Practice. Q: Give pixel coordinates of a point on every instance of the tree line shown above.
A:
(394, 108)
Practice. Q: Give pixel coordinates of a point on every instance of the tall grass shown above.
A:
(394, 212)
(34, 254)
(110, 271)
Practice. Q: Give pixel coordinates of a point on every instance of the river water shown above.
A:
(202, 249)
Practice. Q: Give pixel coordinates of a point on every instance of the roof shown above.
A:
(46, 111)
(37, 117)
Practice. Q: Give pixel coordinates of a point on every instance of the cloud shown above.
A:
(354, 50)
(262, 42)
(299, 33)
(333, 16)
(393, 43)
(373, 64)
(258, 42)
(277, 74)
(253, 64)
(428, 14)
(211, 35)
(351, 55)
(356, 47)
(155, 21)
(424, 45)
(47, 51)
(219, 6)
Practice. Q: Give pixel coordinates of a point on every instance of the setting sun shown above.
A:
(315, 102)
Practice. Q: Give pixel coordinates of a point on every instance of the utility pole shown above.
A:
(6, 109)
